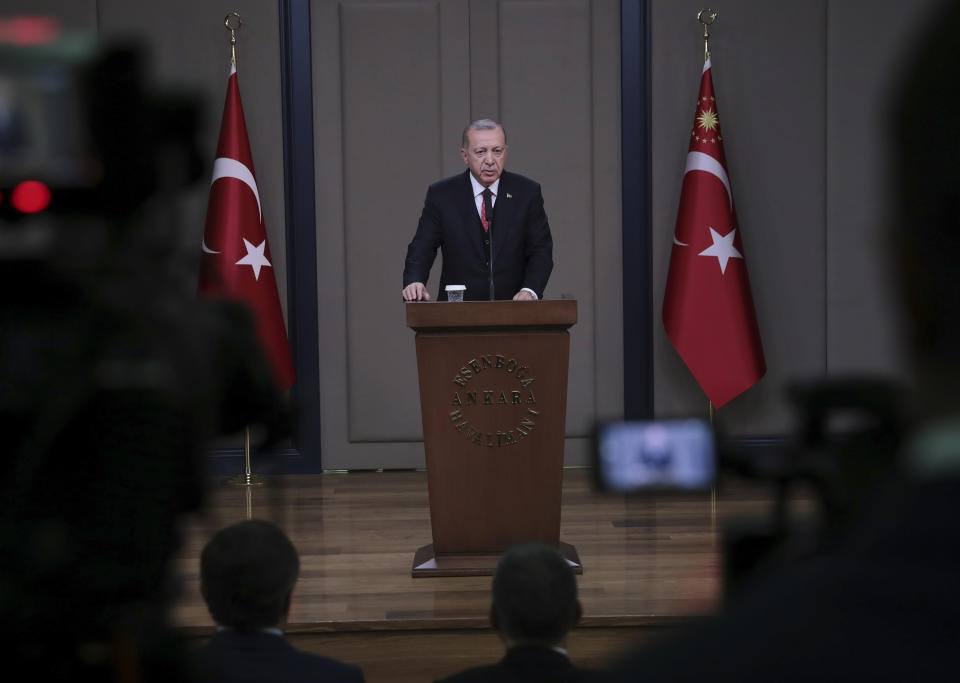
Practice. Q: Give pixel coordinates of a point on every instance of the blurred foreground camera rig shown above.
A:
(844, 454)
(114, 377)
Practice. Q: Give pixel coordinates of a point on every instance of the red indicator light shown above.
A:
(30, 196)
(29, 30)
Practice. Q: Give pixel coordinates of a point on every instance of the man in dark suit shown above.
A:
(247, 574)
(489, 223)
(534, 606)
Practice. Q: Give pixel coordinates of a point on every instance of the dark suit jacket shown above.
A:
(527, 664)
(522, 246)
(234, 656)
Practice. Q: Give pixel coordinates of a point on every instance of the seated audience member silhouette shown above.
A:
(882, 605)
(534, 606)
(247, 574)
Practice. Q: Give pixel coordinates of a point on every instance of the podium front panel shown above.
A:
(493, 404)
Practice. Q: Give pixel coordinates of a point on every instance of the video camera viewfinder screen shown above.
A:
(667, 455)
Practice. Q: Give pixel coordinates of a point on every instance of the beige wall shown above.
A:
(394, 84)
(801, 95)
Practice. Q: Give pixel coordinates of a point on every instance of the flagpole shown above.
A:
(713, 486)
(697, 299)
(233, 22)
(247, 478)
(706, 17)
(233, 34)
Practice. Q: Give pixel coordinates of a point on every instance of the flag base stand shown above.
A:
(247, 478)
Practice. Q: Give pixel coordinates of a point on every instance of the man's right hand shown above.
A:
(416, 291)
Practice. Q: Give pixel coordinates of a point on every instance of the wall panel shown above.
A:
(863, 327)
(391, 141)
(389, 80)
(389, 121)
(545, 86)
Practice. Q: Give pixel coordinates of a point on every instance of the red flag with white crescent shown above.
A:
(708, 308)
(236, 260)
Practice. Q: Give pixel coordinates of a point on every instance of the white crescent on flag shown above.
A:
(231, 168)
(698, 161)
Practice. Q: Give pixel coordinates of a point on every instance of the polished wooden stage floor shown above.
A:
(651, 565)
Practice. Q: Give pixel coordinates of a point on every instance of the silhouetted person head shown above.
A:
(534, 596)
(247, 574)
(926, 229)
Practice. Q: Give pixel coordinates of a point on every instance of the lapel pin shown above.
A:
(509, 196)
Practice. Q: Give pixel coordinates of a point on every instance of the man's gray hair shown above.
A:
(481, 124)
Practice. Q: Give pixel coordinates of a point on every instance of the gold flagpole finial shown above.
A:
(233, 22)
(707, 16)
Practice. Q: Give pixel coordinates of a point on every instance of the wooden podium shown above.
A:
(493, 396)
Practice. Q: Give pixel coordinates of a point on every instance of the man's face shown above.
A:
(486, 154)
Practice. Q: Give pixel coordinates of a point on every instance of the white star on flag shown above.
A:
(254, 258)
(722, 248)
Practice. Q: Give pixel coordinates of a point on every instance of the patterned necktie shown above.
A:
(486, 209)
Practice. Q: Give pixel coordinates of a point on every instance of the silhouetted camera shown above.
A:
(843, 454)
(843, 451)
(113, 375)
(81, 126)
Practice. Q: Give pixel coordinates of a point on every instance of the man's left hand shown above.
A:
(523, 295)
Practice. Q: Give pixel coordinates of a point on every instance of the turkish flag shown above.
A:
(236, 260)
(707, 307)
